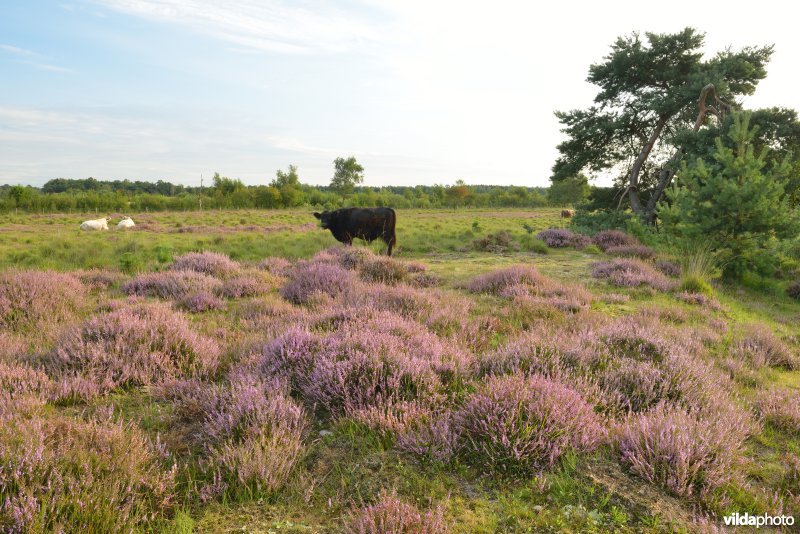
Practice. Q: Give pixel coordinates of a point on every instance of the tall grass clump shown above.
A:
(688, 453)
(63, 475)
(210, 263)
(134, 346)
(32, 301)
(517, 425)
(393, 515)
(697, 270)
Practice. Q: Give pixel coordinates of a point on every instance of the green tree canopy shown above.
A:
(347, 173)
(650, 91)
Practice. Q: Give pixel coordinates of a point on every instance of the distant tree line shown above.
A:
(284, 191)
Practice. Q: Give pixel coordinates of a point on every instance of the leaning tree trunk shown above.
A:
(666, 174)
(633, 178)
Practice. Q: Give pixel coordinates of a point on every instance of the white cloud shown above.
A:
(273, 26)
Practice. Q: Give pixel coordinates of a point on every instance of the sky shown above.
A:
(420, 92)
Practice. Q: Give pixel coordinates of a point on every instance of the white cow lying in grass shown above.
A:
(96, 224)
(126, 222)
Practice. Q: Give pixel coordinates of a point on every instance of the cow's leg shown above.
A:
(391, 242)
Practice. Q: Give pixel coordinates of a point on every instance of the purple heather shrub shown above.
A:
(100, 279)
(631, 273)
(392, 515)
(780, 408)
(740, 372)
(516, 423)
(11, 346)
(210, 263)
(700, 299)
(19, 380)
(309, 279)
(64, 475)
(171, 284)
(563, 237)
(613, 238)
(290, 356)
(200, 302)
(495, 282)
(383, 270)
(669, 268)
(615, 298)
(632, 251)
(391, 418)
(415, 267)
(434, 438)
(275, 265)
(246, 285)
(688, 453)
(425, 280)
(37, 300)
(139, 345)
(663, 314)
(758, 344)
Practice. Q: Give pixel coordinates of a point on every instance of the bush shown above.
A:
(613, 238)
(383, 270)
(669, 268)
(311, 279)
(631, 273)
(781, 409)
(275, 265)
(793, 290)
(36, 300)
(391, 515)
(201, 302)
(496, 243)
(757, 344)
(134, 346)
(515, 424)
(65, 475)
(247, 285)
(171, 284)
(210, 263)
(687, 453)
(632, 251)
(563, 237)
(495, 282)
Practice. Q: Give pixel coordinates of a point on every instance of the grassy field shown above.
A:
(498, 386)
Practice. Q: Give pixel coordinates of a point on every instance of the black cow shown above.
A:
(364, 223)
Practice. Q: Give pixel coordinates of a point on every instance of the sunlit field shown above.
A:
(240, 371)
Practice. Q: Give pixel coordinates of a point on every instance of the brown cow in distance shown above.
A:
(566, 214)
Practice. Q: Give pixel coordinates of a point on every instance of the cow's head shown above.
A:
(325, 218)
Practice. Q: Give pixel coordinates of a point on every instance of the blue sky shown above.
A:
(419, 92)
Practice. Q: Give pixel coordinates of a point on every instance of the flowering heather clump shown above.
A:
(383, 270)
(615, 298)
(415, 267)
(311, 278)
(613, 238)
(171, 284)
(10, 346)
(244, 286)
(70, 476)
(669, 268)
(33, 300)
(425, 280)
(563, 237)
(275, 265)
(391, 418)
(519, 423)
(392, 515)
(20, 380)
(134, 346)
(781, 409)
(210, 263)
(759, 345)
(100, 279)
(350, 258)
(740, 372)
(200, 302)
(435, 438)
(497, 243)
(700, 299)
(632, 251)
(495, 282)
(687, 453)
(631, 273)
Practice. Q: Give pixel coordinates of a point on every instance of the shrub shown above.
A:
(669, 268)
(210, 263)
(517, 424)
(434, 438)
(495, 282)
(312, 278)
(781, 409)
(687, 453)
(793, 290)
(613, 238)
(632, 251)
(171, 284)
(425, 280)
(383, 270)
(100, 279)
(35, 300)
(201, 302)
(700, 299)
(630, 273)
(244, 286)
(759, 345)
(65, 475)
(134, 346)
(275, 265)
(496, 243)
(391, 515)
(563, 237)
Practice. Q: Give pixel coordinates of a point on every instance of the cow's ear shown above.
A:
(317, 215)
